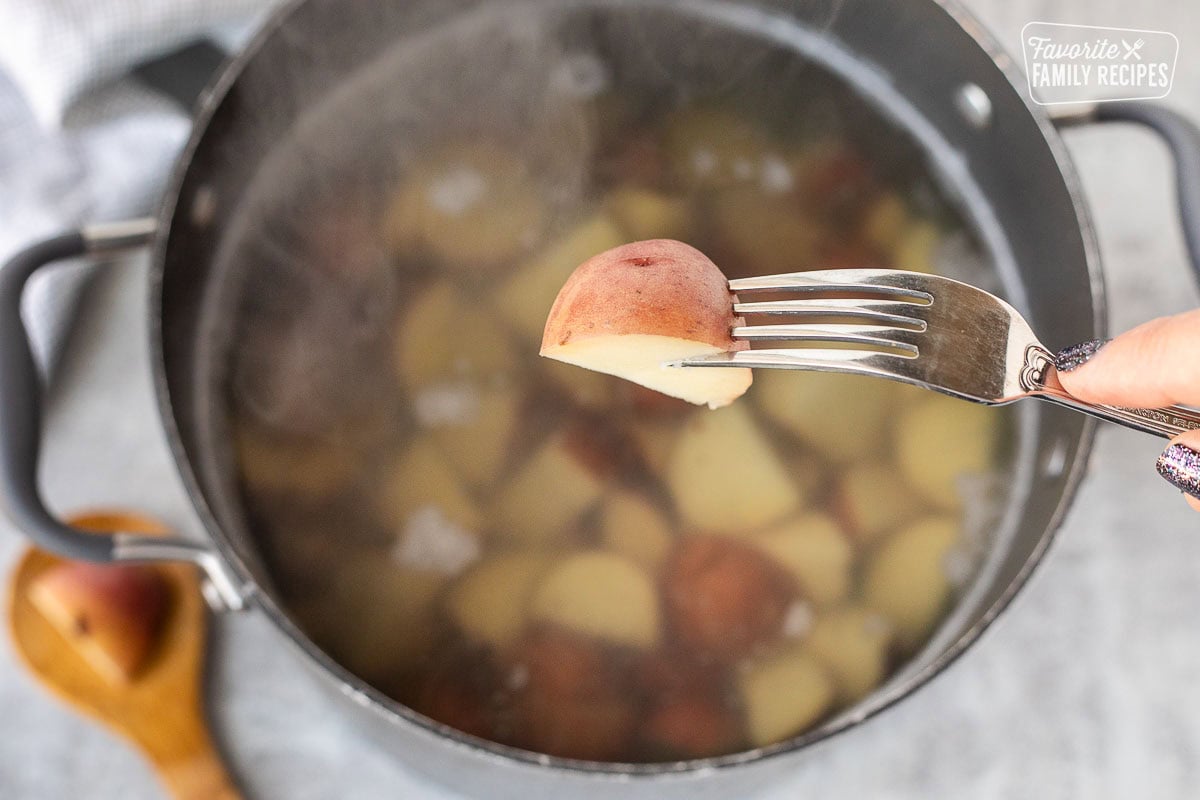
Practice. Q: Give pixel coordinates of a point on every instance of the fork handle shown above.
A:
(1168, 422)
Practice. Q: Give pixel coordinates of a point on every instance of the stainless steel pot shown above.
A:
(927, 64)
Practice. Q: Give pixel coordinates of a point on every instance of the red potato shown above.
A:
(572, 704)
(722, 597)
(110, 614)
(691, 728)
(455, 702)
(631, 310)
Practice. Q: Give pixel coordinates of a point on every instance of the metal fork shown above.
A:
(926, 330)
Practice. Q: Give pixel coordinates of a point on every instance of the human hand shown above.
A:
(1156, 364)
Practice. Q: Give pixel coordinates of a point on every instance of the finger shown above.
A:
(1155, 364)
(1179, 464)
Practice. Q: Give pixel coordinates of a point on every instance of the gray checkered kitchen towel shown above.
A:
(81, 140)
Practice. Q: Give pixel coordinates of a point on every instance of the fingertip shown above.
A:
(1072, 358)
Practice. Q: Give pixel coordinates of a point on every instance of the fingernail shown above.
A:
(1077, 355)
(1181, 466)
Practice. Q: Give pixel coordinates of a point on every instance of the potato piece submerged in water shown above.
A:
(725, 477)
(853, 644)
(527, 294)
(572, 704)
(550, 491)
(842, 416)
(723, 597)
(602, 595)
(420, 484)
(476, 206)
(593, 391)
(647, 214)
(813, 549)
(783, 695)
(711, 148)
(763, 235)
(630, 524)
(475, 429)
(940, 439)
(445, 337)
(695, 727)
(906, 579)
(872, 499)
(315, 470)
(631, 310)
(491, 602)
(392, 608)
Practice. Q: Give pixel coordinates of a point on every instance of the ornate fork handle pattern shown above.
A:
(1168, 422)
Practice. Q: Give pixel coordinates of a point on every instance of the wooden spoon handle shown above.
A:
(176, 741)
(198, 774)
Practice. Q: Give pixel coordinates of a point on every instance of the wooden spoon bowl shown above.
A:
(161, 709)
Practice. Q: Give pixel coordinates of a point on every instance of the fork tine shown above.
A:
(883, 312)
(867, 335)
(860, 362)
(890, 283)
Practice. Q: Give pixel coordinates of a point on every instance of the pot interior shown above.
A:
(510, 546)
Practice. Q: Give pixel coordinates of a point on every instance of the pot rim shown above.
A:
(396, 713)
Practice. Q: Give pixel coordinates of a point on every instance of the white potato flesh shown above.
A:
(491, 602)
(603, 595)
(907, 580)
(783, 695)
(815, 551)
(548, 493)
(726, 477)
(643, 359)
(852, 643)
(843, 417)
(939, 440)
(634, 527)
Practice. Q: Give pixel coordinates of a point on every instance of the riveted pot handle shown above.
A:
(21, 421)
(21, 410)
(1182, 137)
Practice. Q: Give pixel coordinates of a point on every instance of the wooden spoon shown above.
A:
(161, 709)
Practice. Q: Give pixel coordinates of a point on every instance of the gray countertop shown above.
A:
(1085, 688)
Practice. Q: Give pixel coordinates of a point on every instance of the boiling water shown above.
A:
(550, 558)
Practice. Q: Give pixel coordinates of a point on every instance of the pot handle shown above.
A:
(1182, 138)
(21, 423)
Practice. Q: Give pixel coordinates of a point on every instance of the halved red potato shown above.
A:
(633, 309)
(109, 613)
(526, 296)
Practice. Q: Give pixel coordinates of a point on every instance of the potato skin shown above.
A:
(723, 597)
(657, 287)
(691, 728)
(573, 705)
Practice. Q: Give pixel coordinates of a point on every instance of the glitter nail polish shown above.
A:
(1077, 355)
(1181, 466)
